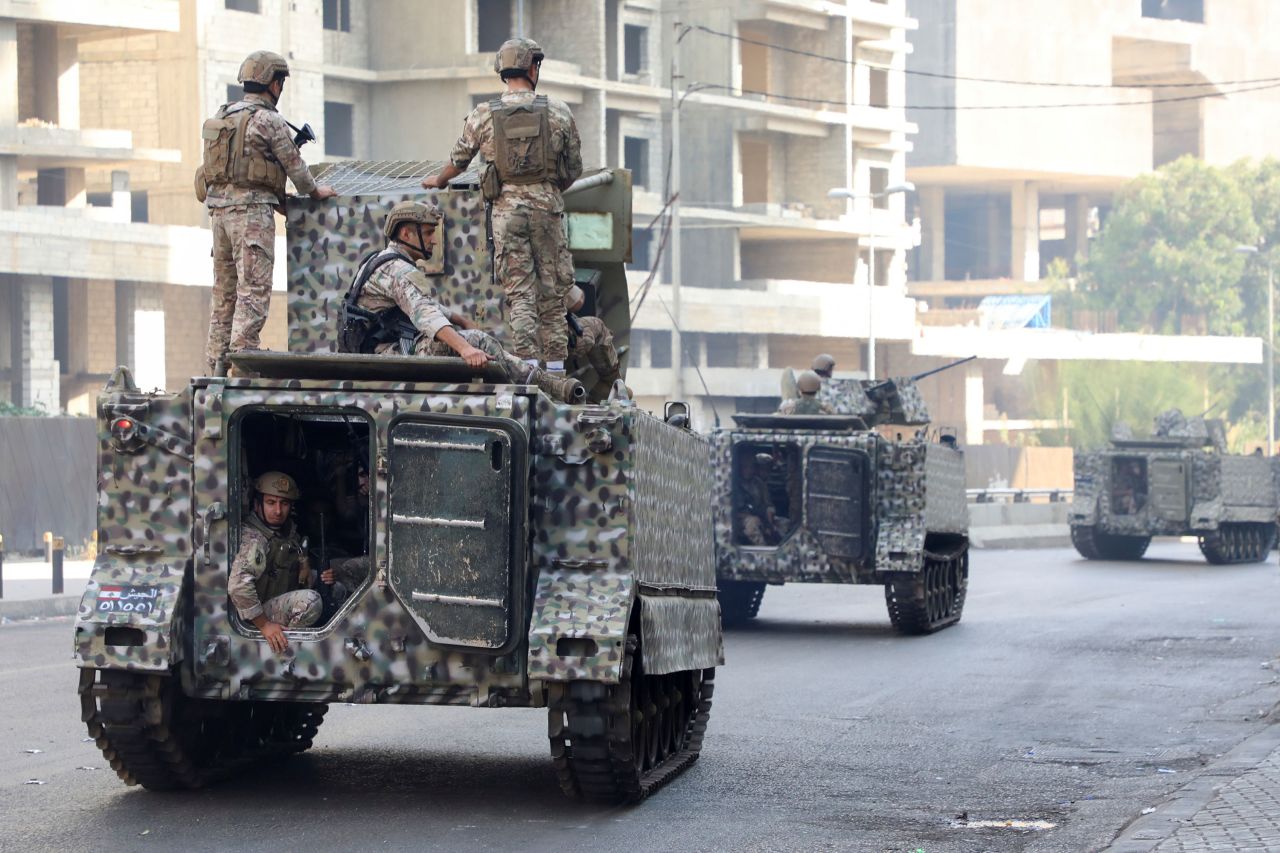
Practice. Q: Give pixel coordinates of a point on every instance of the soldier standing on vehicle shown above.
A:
(387, 310)
(271, 574)
(824, 365)
(248, 153)
(532, 152)
(591, 342)
(808, 384)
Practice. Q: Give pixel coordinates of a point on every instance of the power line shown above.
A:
(961, 107)
(960, 77)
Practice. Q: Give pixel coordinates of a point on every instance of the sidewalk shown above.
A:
(1233, 805)
(28, 588)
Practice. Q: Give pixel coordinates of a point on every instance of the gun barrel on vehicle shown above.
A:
(956, 363)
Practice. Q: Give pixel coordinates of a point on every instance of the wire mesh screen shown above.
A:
(372, 177)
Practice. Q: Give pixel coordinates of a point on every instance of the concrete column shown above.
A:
(933, 234)
(8, 110)
(1077, 228)
(592, 128)
(140, 341)
(68, 68)
(997, 240)
(974, 404)
(34, 371)
(1024, 218)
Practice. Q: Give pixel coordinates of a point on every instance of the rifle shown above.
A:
(301, 135)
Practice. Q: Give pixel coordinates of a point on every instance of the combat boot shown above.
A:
(562, 388)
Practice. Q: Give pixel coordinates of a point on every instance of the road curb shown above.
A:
(1144, 833)
(1021, 536)
(39, 608)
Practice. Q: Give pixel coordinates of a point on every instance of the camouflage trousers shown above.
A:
(594, 347)
(752, 528)
(297, 609)
(518, 372)
(533, 265)
(244, 242)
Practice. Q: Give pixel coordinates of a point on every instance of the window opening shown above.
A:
(339, 130)
(1174, 10)
(635, 49)
(767, 487)
(494, 17)
(327, 455)
(635, 156)
(1128, 486)
(879, 183)
(243, 6)
(337, 15)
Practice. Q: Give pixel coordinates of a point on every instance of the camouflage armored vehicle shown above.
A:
(1180, 481)
(521, 551)
(844, 498)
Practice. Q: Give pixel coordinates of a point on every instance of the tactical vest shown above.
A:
(522, 149)
(361, 330)
(225, 158)
(807, 406)
(281, 572)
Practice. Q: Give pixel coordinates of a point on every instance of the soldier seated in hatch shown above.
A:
(591, 343)
(345, 574)
(808, 384)
(753, 512)
(270, 574)
(1129, 494)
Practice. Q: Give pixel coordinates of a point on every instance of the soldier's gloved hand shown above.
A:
(322, 192)
(273, 634)
(474, 357)
(326, 577)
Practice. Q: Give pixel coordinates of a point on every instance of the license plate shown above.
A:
(128, 599)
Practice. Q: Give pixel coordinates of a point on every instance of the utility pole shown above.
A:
(1271, 359)
(677, 348)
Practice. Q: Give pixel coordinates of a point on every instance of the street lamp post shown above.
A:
(1271, 352)
(850, 195)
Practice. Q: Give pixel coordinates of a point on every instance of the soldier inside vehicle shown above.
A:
(1129, 486)
(326, 459)
(766, 488)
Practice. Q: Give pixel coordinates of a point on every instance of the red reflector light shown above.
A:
(124, 423)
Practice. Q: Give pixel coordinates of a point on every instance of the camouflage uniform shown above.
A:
(752, 511)
(595, 347)
(264, 577)
(244, 234)
(531, 254)
(805, 406)
(400, 284)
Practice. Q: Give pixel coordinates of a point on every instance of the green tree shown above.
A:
(1167, 251)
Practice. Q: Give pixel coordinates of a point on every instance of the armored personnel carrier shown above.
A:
(520, 551)
(1179, 481)
(844, 498)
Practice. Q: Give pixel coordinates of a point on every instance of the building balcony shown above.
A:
(872, 19)
(45, 146)
(151, 15)
(780, 307)
(84, 243)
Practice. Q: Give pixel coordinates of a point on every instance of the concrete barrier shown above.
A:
(1019, 525)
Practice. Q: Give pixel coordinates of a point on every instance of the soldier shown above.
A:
(248, 152)
(753, 508)
(823, 365)
(345, 574)
(387, 309)
(808, 384)
(532, 152)
(591, 342)
(270, 575)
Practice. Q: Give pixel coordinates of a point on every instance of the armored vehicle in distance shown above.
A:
(844, 498)
(518, 551)
(1180, 481)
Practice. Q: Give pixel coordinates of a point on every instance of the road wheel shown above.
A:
(618, 743)
(932, 599)
(739, 601)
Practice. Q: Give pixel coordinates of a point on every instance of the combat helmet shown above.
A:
(823, 365)
(261, 67)
(808, 383)
(278, 484)
(418, 212)
(519, 54)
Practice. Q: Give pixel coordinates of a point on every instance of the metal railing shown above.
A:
(1018, 496)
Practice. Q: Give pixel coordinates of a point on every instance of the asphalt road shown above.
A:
(1072, 692)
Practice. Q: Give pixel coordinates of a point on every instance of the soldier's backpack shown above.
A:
(224, 159)
(361, 330)
(522, 149)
